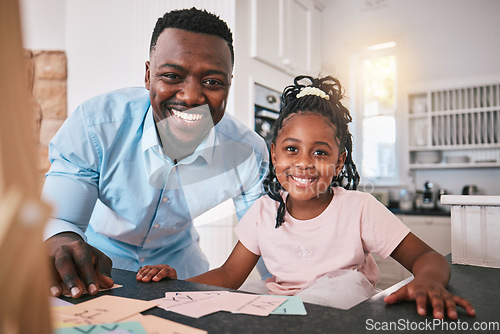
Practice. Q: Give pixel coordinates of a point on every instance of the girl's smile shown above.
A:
(307, 158)
(302, 182)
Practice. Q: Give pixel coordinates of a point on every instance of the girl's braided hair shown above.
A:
(333, 111)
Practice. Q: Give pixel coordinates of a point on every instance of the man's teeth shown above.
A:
(301, 180)
(187, 116)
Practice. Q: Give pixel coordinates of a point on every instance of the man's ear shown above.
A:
(147, 80)
(340, 162)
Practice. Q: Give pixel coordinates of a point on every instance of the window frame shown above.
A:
(375, 51)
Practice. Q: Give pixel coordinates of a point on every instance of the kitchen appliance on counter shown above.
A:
(426, 198)
(405, 199)
(439, 205)
(267, 108)
(470, 189)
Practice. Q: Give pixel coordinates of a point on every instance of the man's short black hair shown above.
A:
(194, 20)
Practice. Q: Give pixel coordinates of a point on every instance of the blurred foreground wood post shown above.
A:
(24, 280)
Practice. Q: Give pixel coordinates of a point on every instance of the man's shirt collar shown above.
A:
(157, 163)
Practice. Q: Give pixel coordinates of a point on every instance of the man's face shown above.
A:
(188, 78)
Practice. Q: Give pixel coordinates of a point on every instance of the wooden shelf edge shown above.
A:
(458, 165)
(452, 148)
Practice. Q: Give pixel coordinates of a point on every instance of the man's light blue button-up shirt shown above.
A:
(111, 183)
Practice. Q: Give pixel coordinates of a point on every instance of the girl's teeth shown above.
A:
(187, 116)
(298, 179)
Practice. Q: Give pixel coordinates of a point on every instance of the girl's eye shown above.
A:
(320, 153)
(291, 149)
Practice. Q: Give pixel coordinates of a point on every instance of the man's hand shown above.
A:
(76, 265)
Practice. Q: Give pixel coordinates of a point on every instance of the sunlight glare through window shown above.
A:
(378, 115)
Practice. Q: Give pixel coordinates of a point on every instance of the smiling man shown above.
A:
(188, 77)
(132, 168)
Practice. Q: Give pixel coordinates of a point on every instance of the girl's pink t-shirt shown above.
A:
(299, 252)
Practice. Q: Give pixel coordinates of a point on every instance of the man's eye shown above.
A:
(213, 82)
(171, 76)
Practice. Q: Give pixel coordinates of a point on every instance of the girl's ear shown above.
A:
(273, 154)
(340, 162)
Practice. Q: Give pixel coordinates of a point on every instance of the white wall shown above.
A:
(439, 41)
(43, 24)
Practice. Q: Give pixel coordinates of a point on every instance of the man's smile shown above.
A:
(189, 117)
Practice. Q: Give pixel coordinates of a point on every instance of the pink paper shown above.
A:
(175, 299)
(193, 310)
(262, 305)
(229, 302)
(199, 303)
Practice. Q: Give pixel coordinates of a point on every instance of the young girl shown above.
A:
(313, 233)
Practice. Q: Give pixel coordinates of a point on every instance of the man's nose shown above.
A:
(191, 93)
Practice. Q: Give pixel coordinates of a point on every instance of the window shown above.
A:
(376, 114)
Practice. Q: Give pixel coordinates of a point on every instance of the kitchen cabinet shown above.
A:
(475, 232)
(455, 127)
(287, 34)
(433, 230)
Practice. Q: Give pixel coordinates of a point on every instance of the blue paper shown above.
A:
(292, 306)
(130, 327)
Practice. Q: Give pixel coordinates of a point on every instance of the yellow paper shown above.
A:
(101, 289)
(104, 309)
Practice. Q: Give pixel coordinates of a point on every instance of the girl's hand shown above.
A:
(155, 273)
(425, 291)
(432, 274)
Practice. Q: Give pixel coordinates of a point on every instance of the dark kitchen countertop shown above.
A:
(420, 212)
(477, 284)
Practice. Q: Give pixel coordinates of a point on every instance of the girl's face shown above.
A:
(306, 157)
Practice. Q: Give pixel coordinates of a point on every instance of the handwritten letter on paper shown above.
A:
(199, 303)
(104, 309)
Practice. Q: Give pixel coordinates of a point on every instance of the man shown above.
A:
(131, 169)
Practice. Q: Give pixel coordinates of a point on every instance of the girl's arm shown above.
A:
(233, 272)
(432, 274)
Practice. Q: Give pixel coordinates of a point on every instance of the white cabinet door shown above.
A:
(267, 31)
(298, 37)
(287, 34)
(303, 50)
(433, 230)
